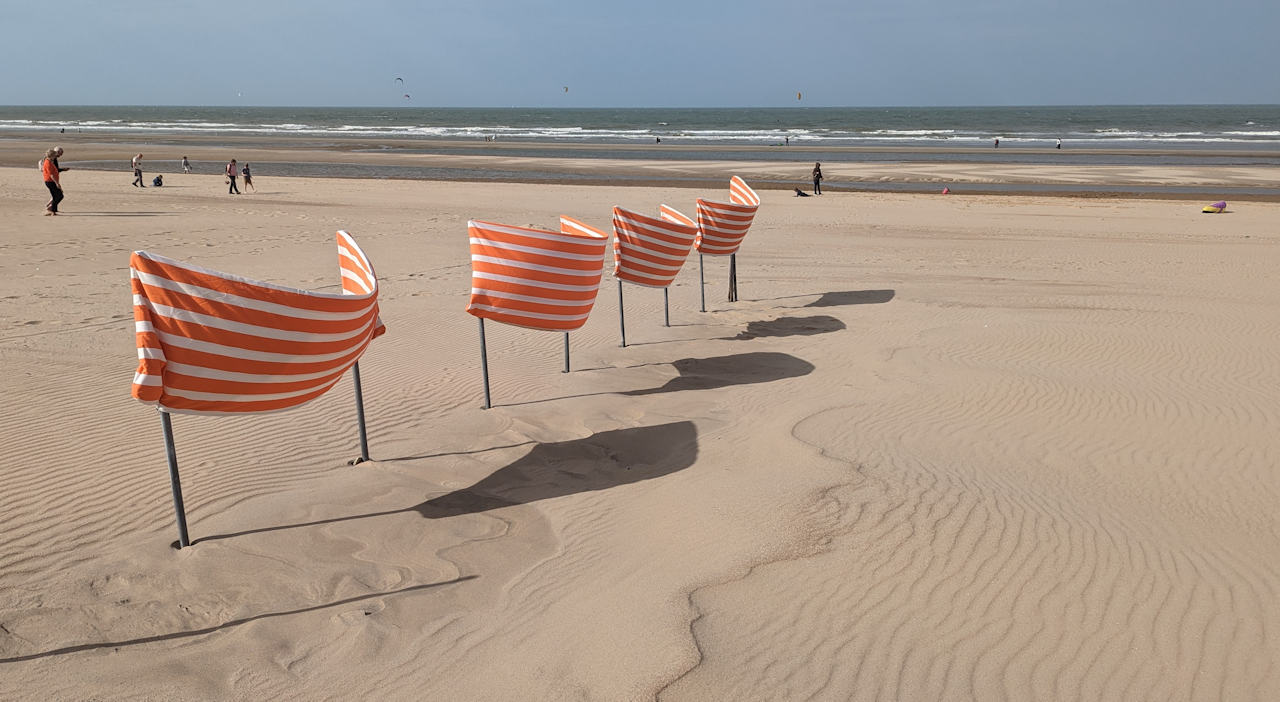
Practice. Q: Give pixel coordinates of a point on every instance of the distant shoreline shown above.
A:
(1092, 172)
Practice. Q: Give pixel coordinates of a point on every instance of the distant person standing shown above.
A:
(137, 171)
(997, 142)
(186, 165)
(1059, 146)
(52, 179)
(817, 178)
(248, 179)
(231, 178)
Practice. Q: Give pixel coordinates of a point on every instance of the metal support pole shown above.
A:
(484, 365)
(364, 437)
(733, 277)
(174, 482)
(566, 353)
(702, 285)
(622, 316)
(666, 307)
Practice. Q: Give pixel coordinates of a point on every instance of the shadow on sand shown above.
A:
(839, 299)
(789, 326)
(852, 297)
(598, 462)
(724, 371)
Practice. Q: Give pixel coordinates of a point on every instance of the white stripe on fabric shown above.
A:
(250, 355)
(533, 233)
(501, 246)
(355, 278)
(156, 281)
(146, 379)
(228, 397)
(627, 235)
(527, 298)
(255, 330)
(535, 267)
(530, 315)
(627, 258)
(586, 231)
(482, 275)
(147, 352)
(234, 278)
(216, 374)
(143, 326)
(671, 228)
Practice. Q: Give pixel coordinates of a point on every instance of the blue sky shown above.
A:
(503, 53)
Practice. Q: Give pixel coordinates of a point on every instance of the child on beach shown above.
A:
(186, 165)
(817, 179)
(248, 179)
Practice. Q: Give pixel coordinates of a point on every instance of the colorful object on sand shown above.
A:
(648, 250)
(723, 225)
(946, 191)
(535, 278)
(721, 228)
(1215, 208)
(216, 343)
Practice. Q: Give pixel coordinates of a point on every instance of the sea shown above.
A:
(1103, 135)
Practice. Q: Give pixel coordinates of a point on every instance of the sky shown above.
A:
(662, 53)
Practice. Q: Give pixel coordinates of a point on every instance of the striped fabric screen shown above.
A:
(215, 343)
(650, 250)
(534, 278)
(722, 225)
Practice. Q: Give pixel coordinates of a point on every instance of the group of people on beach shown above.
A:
(51, 172)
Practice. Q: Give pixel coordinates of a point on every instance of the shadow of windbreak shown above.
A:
(790, 326)
(597, 462)
(723, 371)
(601, 461)
(852, 297)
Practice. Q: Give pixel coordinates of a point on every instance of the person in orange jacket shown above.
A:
(50, 170)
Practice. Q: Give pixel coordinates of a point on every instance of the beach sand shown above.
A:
(943, 447)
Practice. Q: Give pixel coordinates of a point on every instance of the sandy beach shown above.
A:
(942, 448)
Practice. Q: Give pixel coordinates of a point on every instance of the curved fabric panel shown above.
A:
(649, 251)
(216, 343)
(722, 225)
(535, 278)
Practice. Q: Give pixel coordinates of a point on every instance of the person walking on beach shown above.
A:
(997, 142)
(186, 165)
(248, 179)
(817, 178)
(137, 171)
(231, 178)
(52, 179)
(1059, 146)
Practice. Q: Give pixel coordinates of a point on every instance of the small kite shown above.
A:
(566, 88)
(797, 95)
(406, 96)
(399, 79)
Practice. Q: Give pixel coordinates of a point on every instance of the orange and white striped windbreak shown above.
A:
(215, 343)
(722, 225)
(650, 250)
(535, 278)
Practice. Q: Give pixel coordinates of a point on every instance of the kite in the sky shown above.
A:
(406, 96)
(566, 88)
(399, 79)
(797, 96)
